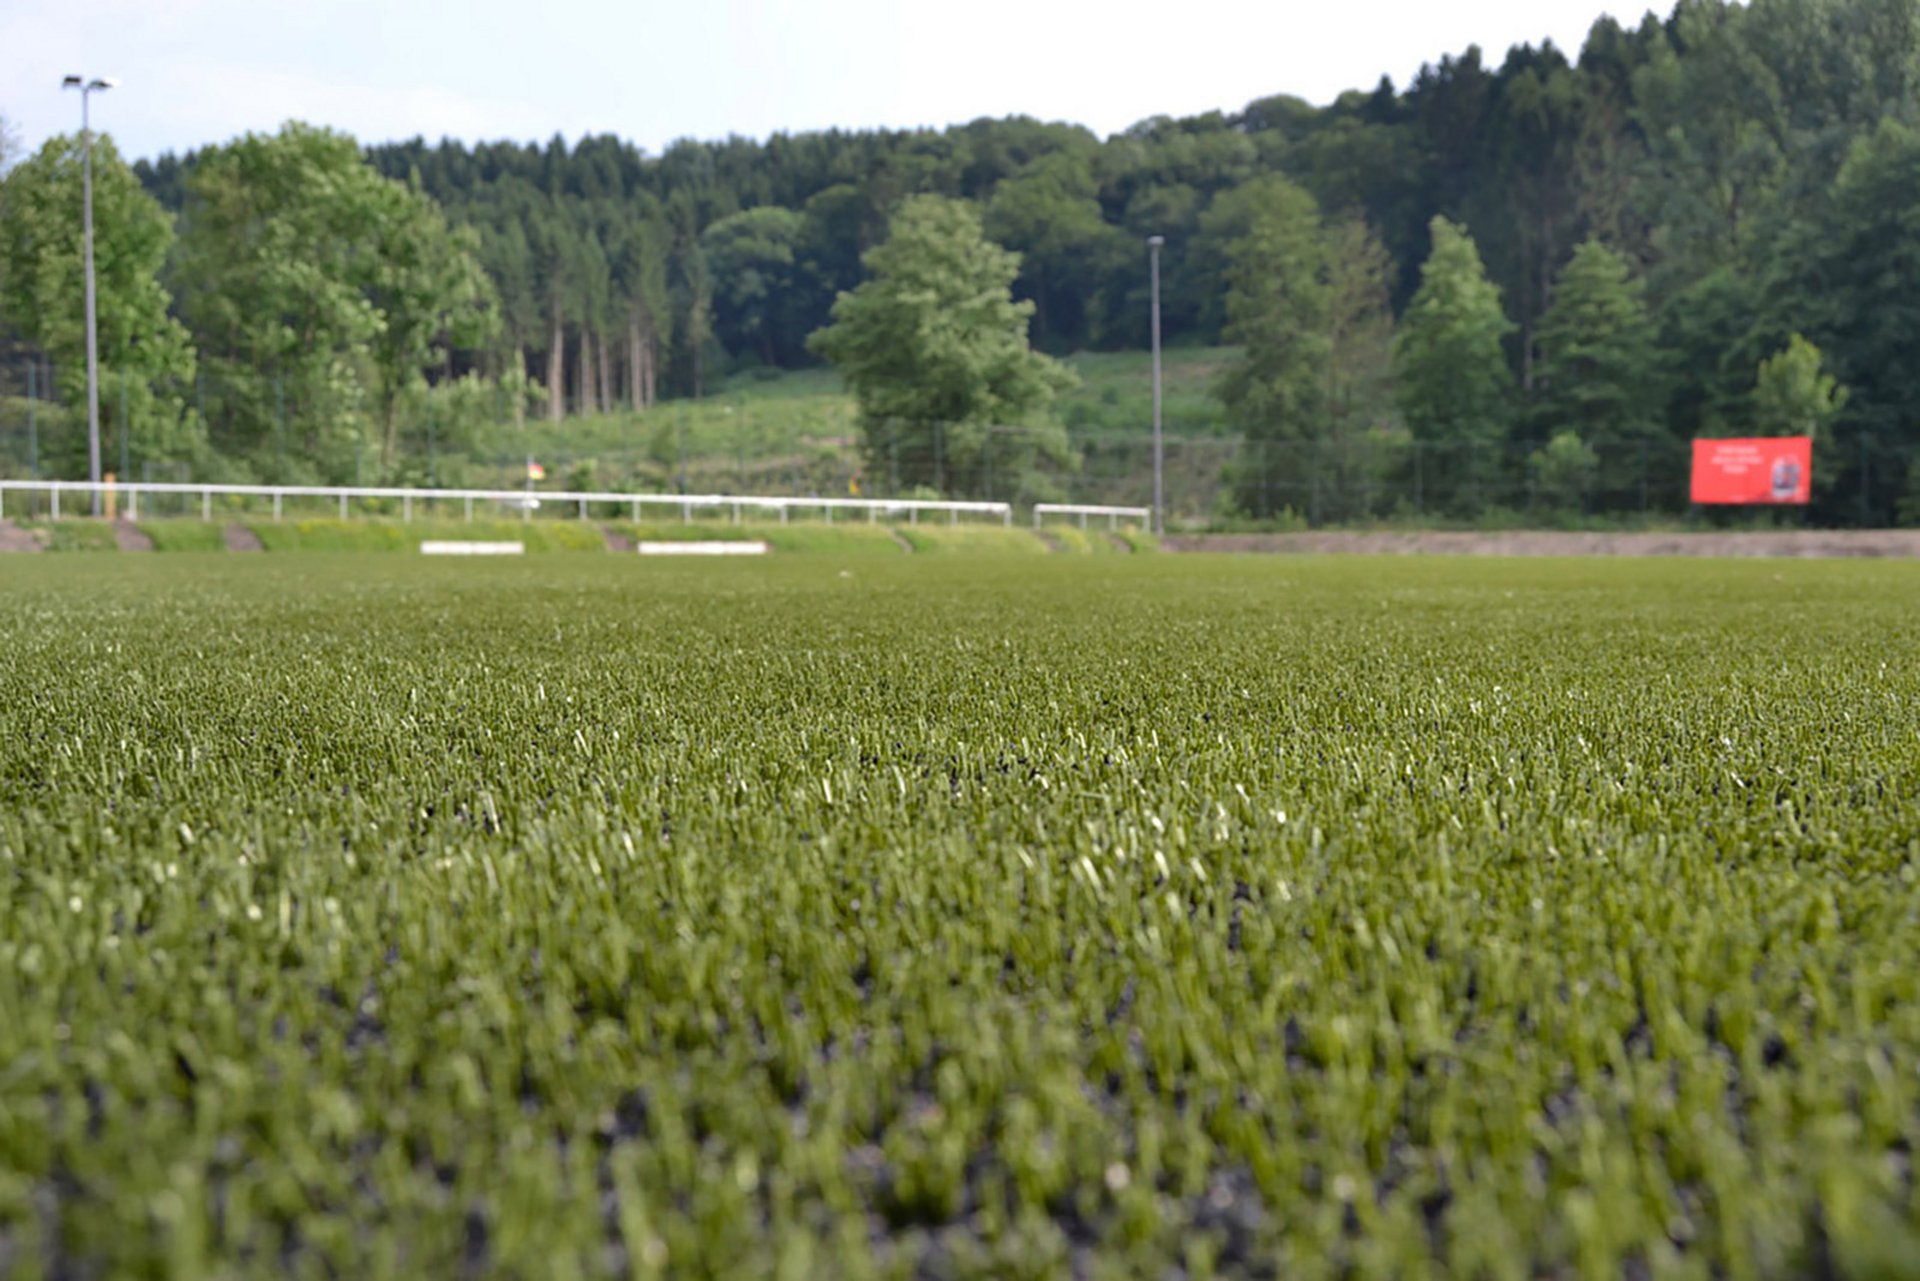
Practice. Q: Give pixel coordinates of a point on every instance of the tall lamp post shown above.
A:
(1159, 507)
(87, 88)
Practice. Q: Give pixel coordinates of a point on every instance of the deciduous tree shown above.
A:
(935, 350)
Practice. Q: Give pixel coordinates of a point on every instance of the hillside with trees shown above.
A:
(1557, 267)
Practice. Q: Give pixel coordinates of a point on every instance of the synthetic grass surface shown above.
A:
(1140, 916)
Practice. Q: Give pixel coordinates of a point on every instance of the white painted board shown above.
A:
(739, 547)
(470, 547)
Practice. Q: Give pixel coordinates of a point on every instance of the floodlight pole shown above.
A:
(87, 89)
(1159, 508)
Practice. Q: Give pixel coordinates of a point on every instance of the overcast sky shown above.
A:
(202, 71)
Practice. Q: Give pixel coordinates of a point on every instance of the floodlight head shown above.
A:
(1156, 241)
(71, 82)
(104, 82)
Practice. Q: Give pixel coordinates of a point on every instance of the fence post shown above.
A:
(276, 504)
(56, 504)
(406, 509)
(206, 504)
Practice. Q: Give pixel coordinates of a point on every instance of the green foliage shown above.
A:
(1277, 312)
(1793, 396)
(76, 535)
(1565, 471)
(1750, 163)
(1309, 390)
(1599, 376)
(321, 294)
(934, 535)
(934, 340)
(328, 534)
(143, 351)
(1134, 916)
(1451, 377)
(751, 255)
(185, 535)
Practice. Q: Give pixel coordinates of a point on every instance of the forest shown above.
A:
(1705, 224)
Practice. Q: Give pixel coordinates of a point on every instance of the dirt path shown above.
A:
(901, 540)
(1119, 544)
(242, 539)
(15, 539)
(616, 541)
(1052, 542)
(130, 537)
(1789, 543)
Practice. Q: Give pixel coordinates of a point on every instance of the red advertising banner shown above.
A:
(1765, 469)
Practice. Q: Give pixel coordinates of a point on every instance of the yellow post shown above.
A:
(110, 495)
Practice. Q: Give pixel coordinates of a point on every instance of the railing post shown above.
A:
(343, 504)
(406, 509)
(276, 504)
(469, 509)
(783, 513)
(1006, 517)
(133, 502)
(56, 503)
(953, 515)
(828, 508)
(736, 513)
(206, 504)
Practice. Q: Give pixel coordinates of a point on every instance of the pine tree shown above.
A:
(1600, 376)
(1453, 383)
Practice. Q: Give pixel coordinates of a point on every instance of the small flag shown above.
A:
(535, 471)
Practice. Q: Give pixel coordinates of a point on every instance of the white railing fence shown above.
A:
(1114, 515)
(522, 502)
(525, 502)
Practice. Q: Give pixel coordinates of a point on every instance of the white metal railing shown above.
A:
(1114, 515)
(521, 500)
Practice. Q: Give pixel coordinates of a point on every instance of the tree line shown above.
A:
(1567, 257)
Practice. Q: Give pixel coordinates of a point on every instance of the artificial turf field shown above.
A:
(1153, 916)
